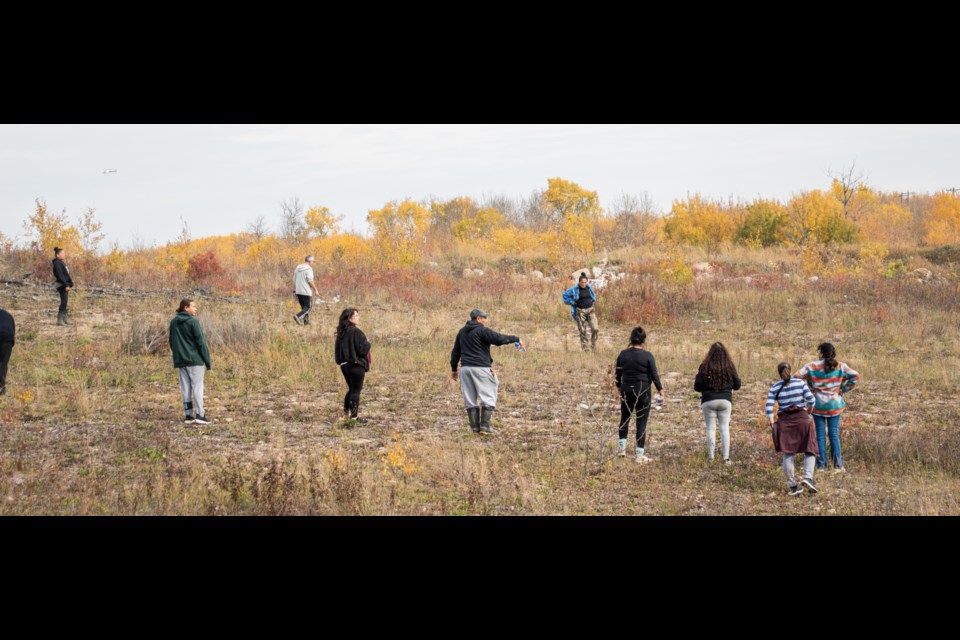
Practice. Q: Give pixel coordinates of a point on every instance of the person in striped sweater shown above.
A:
(829, 380)
(793, 432)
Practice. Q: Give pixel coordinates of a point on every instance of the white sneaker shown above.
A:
(644, 459)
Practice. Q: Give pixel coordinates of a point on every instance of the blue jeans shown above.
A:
(831, 425)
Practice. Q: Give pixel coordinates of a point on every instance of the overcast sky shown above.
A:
(220, 177)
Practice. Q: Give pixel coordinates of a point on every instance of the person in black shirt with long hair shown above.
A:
(352, 350)
(716, 380)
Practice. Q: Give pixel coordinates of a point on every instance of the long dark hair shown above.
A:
(344, 322)
(829, 354)
(718, 368)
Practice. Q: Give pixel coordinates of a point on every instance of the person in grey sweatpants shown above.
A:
(478, 382)
(191, 357)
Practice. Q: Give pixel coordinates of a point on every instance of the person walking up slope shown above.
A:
(304, 289)
(582, 299)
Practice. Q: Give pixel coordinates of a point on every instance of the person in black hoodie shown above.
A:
(477, 378)
(64, 283)
(352, 351)
(8, 333)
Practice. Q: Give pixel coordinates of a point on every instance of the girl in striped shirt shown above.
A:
(830, 381)
(792, 431)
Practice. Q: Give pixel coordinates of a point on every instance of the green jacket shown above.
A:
(187, 342)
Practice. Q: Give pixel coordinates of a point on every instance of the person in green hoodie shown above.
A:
(192, 357)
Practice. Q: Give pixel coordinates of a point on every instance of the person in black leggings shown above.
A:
(352, 350)
(636, 370)
(64, 284)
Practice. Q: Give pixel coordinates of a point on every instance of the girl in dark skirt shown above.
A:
(793, 430)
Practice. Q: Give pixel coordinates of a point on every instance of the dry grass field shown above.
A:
(91, 424)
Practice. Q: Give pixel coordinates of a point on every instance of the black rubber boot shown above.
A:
(473, 415)
(61, 319)
(486, 416)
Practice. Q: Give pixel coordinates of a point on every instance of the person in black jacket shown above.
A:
(478, 381)
(8, 334)
(636, 369)
(352, 351)
(716, 380)
(64, 283)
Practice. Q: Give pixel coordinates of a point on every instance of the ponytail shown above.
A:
(785, 370)
(829, 354)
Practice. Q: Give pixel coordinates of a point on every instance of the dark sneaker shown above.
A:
(795, 491)
(298, 319)
(202, 420)
(810, 486)
(188, 420)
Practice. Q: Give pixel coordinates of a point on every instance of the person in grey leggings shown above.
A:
(716, 381)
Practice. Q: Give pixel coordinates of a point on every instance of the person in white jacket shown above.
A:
(304, 288)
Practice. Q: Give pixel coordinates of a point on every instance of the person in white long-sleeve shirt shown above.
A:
(304, 289)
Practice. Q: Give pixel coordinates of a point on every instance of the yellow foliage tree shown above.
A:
(479, 225)
(321, 223)
(446, 215)
(816, 217)
(571, 211)
(564, 199)
(855, 197)
(699, 222)
(49, 229)
(942, 224)
(399, 232)
(342, 250)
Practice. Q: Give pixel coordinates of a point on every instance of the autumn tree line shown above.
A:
(551, 229)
